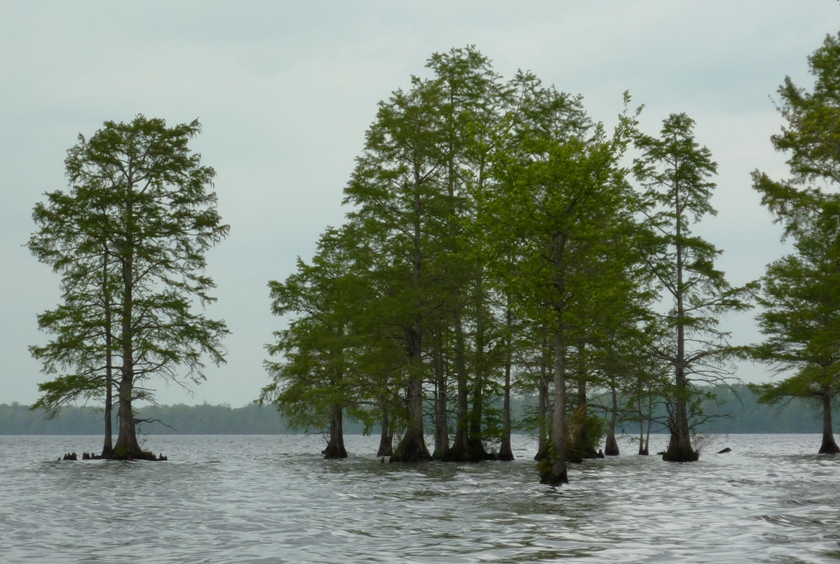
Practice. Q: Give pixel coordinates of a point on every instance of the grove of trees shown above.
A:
(499, 243)
(495, 243)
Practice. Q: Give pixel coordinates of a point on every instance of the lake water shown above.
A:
(273, 499)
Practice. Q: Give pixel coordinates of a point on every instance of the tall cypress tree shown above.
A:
(149, 211)
(675, 173)
(73, 239)
(400, 206)
(560, 190)
(801, 320)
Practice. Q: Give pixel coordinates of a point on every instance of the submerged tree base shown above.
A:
(143, 455)
(681, 455)
(334, 451)
(411, 449)
(386, 447)
(505, 453)
(829, 446)
(552, 473)
(611, 447)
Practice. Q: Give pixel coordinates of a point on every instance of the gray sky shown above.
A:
(285, 91)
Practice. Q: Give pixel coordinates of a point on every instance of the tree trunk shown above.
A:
(460, 446)
(441, 422)
(556, 474)
(505, 450)
(611, 447)
(679, 447)
(386, 437)
(412, 447)
(542, 412)
(476, 447)
(829, 446)
(644, 443)
(335, 448)
(108, 446)
(582, 437)
(582, 447)
(477, 450)
(127, 447)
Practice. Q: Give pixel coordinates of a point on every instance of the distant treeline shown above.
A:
(16, 419)
(741, 414)
(736, 410)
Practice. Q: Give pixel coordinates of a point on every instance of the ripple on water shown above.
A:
(273, 499)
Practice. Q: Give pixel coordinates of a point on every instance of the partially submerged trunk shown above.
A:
(108, 446)
(127, 447)
(611, 446)
(505, 450)
(441, 423)
(644, 442)
(335, 448)
(829, 446)
(542, 414)
(555, 472)
(386, 437)
(582, 443)
(412, 447)
(460, 450)
(644, 439)
(477, 450)
(679, 447)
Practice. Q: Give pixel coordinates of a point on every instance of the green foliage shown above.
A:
(675, 172)
(800, 292)
(129, 239)
(586, 430)
(545, 465)
(501, 236)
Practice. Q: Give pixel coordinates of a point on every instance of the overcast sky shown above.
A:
(286, 90)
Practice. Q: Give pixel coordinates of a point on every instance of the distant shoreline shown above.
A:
(746, 417)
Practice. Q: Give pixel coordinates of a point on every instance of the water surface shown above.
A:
(273, 499)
